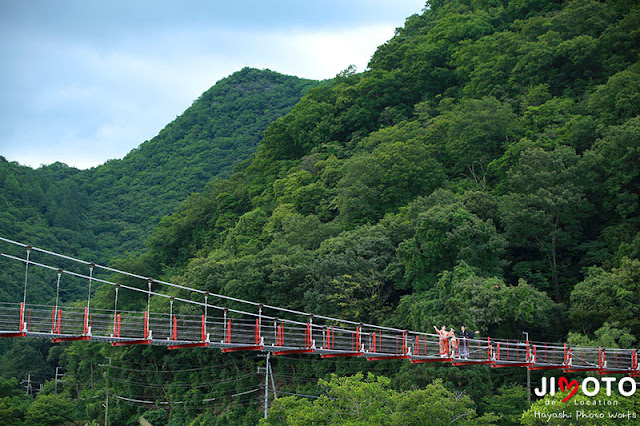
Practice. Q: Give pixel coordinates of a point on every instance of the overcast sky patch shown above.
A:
(85, 81)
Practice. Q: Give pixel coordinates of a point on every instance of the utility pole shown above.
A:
(266, 388)
(28, 386)
(528, 374)
(106, 402)
(55, 387)
(268, 373)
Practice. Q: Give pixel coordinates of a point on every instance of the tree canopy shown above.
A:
(482, 171)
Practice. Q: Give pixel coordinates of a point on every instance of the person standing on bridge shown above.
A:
(443, 340)
(463, 334)
(453, 342)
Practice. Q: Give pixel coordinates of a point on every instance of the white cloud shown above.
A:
(83, 100)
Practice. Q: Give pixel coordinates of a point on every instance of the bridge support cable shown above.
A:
(291, 311)
(189, 342)
(26, 275)
(132, 329)
(22, 325)
(293, 332)
(88, 311)
(56, 315)
(74, 330)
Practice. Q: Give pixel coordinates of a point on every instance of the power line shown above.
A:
(185, 402)
(188, 370)
(179, 385)
(300, 394)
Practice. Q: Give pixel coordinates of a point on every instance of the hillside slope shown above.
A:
(109, 210)
(484, 171)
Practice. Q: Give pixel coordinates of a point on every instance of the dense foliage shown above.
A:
(110, 210)
(483, 171)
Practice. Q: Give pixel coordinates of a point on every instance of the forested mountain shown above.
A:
(483, 171)
(110, 210)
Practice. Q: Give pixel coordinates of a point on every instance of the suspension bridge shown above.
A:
(232, 324)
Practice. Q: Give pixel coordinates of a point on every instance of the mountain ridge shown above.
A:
(123, 198)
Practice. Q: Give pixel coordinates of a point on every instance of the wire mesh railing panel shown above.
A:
(101, 323)
(10, 314)
(189, 328)
(71, 321)
(387, 343)
(161, 325)
(342, 340)
(289, 335)
(425, 345)
(478, 350)
(241, 332)
(216, 329)
(619, 359)
(40, 319)
(587, 358)
(506, 351)
(545, 355)
(132, 326)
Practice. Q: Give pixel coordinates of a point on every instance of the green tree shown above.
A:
(610, 335)
(351, 275)
(508, 403)
(618, 99)
(247, 237)
(358, 400)
(608, 296)
(50, 410)
(488, 304)
(543, 211)
(13, 402)
(613, 165)
(477, 133)
(446, 235)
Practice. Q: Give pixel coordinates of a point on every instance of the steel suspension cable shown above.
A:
(115, 312)
(26, 275)
(253, 314)
(139, 290)
(90, 279)
(28, 262)
(55, 309)
(234, 299)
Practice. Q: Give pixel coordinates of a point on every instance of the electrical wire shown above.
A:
(178, 385)
(298, 394)
(186, 402)
(187, 370)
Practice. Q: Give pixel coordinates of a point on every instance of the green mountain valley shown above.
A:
(483, 171)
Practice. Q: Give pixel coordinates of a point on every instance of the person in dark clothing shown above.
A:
(463, 335)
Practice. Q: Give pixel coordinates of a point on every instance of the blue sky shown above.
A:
(86, 81)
